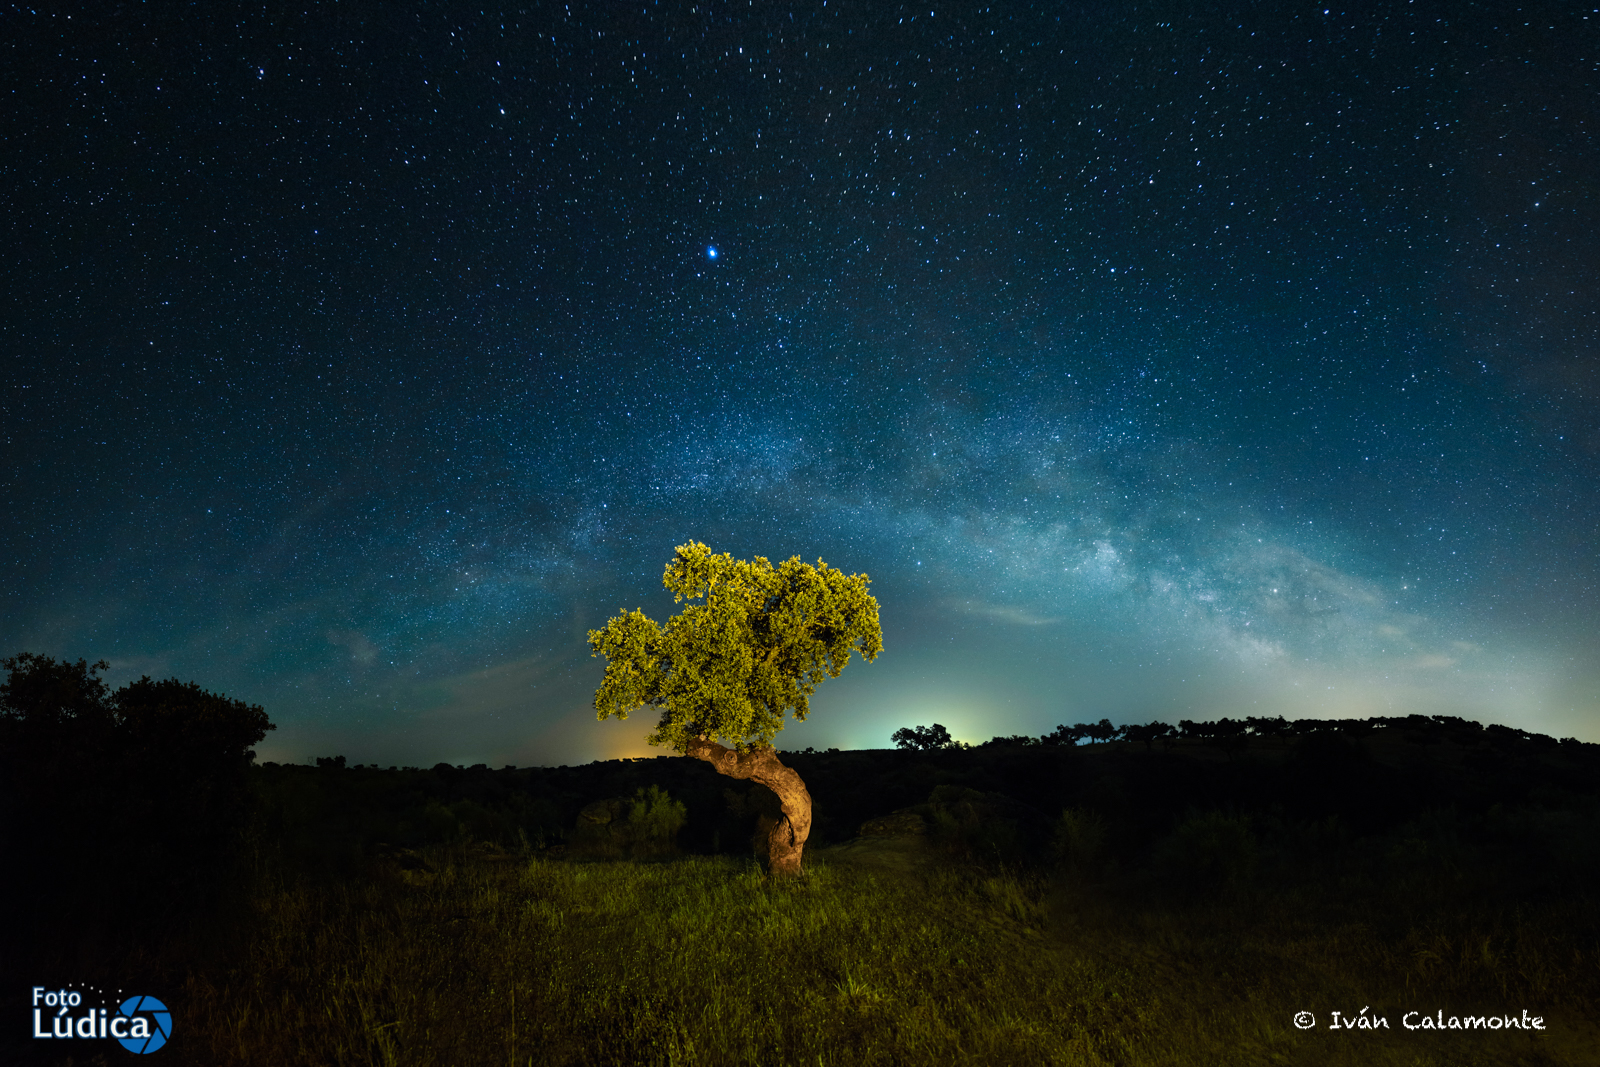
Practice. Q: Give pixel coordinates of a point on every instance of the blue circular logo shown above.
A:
(150, 1025)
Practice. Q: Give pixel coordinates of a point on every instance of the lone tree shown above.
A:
(728, 668)
(922, 738)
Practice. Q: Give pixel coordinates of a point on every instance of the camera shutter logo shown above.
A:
(157, 1029)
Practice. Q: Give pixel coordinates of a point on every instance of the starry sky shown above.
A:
(1156, 360)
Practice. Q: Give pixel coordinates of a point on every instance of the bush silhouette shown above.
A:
(1080, 840)
(972, 825)
(1208, 853)
(126, 809)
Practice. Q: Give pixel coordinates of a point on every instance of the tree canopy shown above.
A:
(755, 648)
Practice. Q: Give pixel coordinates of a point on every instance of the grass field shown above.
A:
(524, 960)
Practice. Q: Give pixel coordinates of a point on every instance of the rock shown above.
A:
(407, 863)
(407, 859)
(602, 829)
(603, 812)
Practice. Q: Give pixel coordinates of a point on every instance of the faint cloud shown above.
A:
(362, 651)
(1002, 613)
(1291, 573)
(505, 688)
(1257, 650)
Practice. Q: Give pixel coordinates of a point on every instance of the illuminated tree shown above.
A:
(732, 666)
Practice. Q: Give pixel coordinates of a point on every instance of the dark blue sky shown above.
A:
(1155, 360)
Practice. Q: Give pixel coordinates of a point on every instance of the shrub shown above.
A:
(127, 810)
(975, 826)
(1079, 842)
(654, 820)
(1208, 853)
(644, 827)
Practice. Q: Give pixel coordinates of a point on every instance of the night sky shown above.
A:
(1156, 360)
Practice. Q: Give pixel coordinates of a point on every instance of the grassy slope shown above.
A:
(1207, 897)
(701, 961)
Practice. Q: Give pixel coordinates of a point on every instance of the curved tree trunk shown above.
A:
(787, 838)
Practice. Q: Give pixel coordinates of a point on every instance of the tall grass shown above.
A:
(704, 961)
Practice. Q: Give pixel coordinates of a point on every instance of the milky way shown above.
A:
(1153, 363)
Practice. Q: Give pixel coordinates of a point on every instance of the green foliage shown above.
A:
(643, 827)
(757, 646)
(654, 820)
(1015, 900)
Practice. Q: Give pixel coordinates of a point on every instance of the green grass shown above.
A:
(703, 961)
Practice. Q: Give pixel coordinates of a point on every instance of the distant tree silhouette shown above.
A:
(1065, 735)
(1013, 740)
(922, 738)
(1101, 731)
(1092, 731)
(1148, 734)
(1274, 727)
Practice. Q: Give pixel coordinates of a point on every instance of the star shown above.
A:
(1114, 414)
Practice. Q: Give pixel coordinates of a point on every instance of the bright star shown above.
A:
(711, 251)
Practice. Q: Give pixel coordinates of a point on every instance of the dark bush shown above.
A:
(126, 809)
(1207, 853)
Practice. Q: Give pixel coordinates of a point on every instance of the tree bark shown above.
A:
(787, 838)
